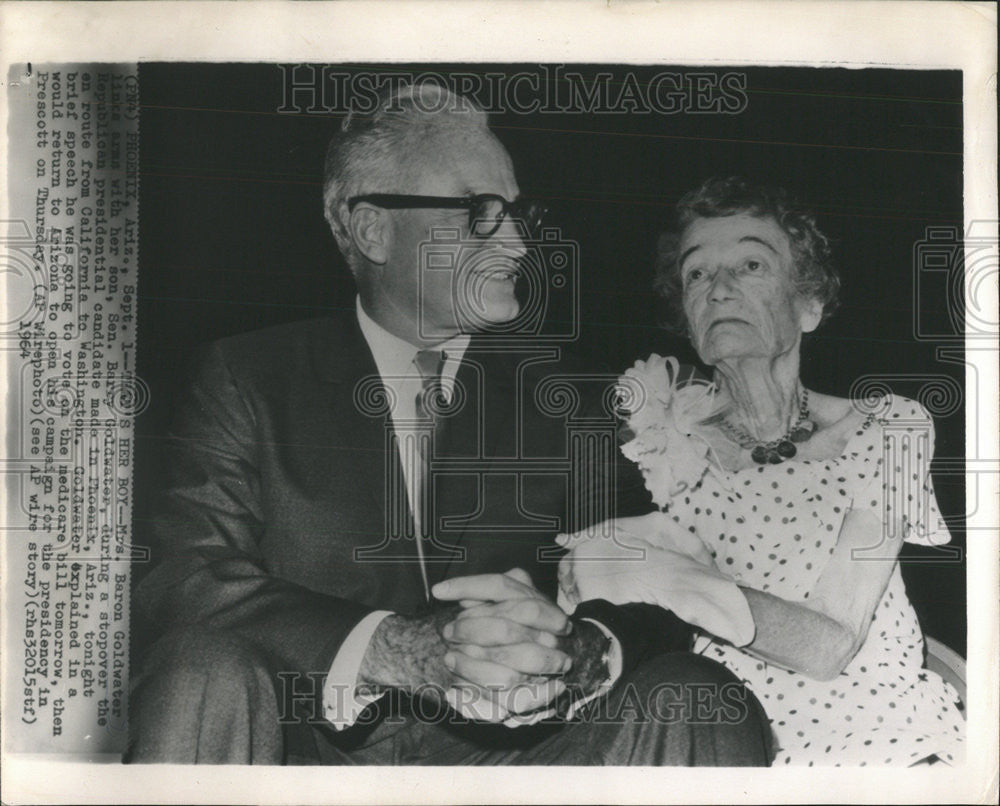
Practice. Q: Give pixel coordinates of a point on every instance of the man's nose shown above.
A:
(511, 235)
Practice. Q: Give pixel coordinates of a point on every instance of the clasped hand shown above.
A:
(504, 645)
(652, 559)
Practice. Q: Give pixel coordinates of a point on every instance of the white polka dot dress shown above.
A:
(773, 528)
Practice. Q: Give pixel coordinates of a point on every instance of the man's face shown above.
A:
(457, 163)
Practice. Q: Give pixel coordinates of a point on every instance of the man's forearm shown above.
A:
(407, 653)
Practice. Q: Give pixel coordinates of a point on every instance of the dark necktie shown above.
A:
(429, 403)
(430, 399)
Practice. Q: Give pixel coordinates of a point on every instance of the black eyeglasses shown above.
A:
(486, 210)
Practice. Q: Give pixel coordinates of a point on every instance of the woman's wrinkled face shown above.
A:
(739, 292)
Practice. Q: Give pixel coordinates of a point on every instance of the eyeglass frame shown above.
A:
(519, 209)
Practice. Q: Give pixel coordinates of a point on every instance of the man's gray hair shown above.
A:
(372, 152)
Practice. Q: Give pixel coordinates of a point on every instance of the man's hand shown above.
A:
(513, 644)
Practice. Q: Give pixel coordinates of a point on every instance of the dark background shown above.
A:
(232, 235)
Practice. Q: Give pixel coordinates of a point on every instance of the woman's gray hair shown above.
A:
(815, 275)
(373, 151)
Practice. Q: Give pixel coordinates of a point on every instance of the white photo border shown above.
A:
(911, 35)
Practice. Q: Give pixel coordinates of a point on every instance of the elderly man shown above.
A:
(322, 593)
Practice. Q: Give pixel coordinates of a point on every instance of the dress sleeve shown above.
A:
(897, 484)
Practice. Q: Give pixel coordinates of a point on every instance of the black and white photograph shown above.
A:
(430, 411)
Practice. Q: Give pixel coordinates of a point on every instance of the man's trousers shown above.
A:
(211, 697)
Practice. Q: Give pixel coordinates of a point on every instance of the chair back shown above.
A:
(946, 662)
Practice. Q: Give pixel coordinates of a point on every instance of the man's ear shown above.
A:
(369, 228)
(810, 314)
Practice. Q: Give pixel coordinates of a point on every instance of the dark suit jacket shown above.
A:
(272, 519)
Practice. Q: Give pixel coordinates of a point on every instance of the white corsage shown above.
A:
(662, 418)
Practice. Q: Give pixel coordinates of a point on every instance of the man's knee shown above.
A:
(694, 689)
(195, 691)
(688, 688)
(708, 714)
(681, 667)
(195, 659)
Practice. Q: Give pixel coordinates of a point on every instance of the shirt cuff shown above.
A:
(342, 702)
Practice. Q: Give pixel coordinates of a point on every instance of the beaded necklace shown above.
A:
(777, 450)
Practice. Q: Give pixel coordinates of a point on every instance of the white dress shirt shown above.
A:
(394, 358)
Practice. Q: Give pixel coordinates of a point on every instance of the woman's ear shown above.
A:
(369, 228)
(810, 314)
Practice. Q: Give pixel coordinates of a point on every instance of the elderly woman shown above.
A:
(782, 510)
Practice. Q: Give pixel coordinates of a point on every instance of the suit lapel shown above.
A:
(358, 397)
(349, 366)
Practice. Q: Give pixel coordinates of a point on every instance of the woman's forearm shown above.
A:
(795, 637)
(819, 636)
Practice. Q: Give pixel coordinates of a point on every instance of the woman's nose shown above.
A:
(723, 286)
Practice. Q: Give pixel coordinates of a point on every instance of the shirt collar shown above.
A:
(394, 356)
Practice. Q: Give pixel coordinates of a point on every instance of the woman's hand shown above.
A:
(651, 559)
